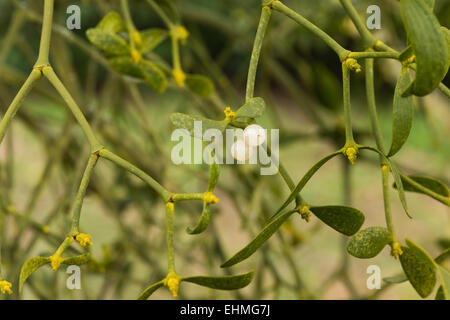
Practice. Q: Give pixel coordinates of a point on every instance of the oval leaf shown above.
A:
(419, 267)
(447, 37)
(396, 279)
(369, 242)
(259, 240)
(427, 183)
(153, 75)
(440, 294)
(214, 173)
(149, 291)
(429, 45)
(112, 23)
(253, 108)
(184, 121)
(124, 65)
(444, 290)
(108, 42)
(152, 38)
(203, 222)
(403, 111)
(30, 266)
(222, 283)
(345, 220)
(199, 85)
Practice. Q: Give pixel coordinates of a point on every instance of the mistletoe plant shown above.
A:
(129, 52)
(105, 36)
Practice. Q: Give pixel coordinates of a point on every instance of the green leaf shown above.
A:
(429, 45)
(222, 283)
(430, 3)
(445, 284)
(440, 294)
(427, 183)
(214, 173)
(253, 108)
(124, 65)
(203, 222)
(30, 266)
(308, 175)
(153, 75)
(369, 242)
(151, 38)
(345, 220)
(396, 279)
(403, 111)
(78, 260)
(184, 121)
(419, 267)
(108, 42)
(150, 290)
(199, 84)
(447, 37)
(400, 190)
(112, 23)
(259, 240)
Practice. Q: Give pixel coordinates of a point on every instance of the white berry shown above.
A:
(240, 151)
(254, 135)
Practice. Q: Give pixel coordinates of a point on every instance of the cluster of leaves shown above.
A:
(138, 61)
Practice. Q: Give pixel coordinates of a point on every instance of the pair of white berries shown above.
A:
(254, 135)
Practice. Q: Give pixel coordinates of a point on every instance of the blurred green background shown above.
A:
(299, 78)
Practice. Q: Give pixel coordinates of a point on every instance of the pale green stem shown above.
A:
(127, 14)
(387, 200)
(129, 21)
(371, 103)
(169, 237)
(257, 45)
(373, 54)
(187, 196)
(163, 192)
(17, 102)
(347, 105)
(79, 116)
(46, 34)
(340, 51)
(175, 53)
(370, 92)
(66, 244)
(76, 209)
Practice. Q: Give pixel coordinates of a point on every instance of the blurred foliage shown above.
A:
(300, 79)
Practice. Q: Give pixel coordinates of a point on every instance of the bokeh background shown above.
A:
(44, 152)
